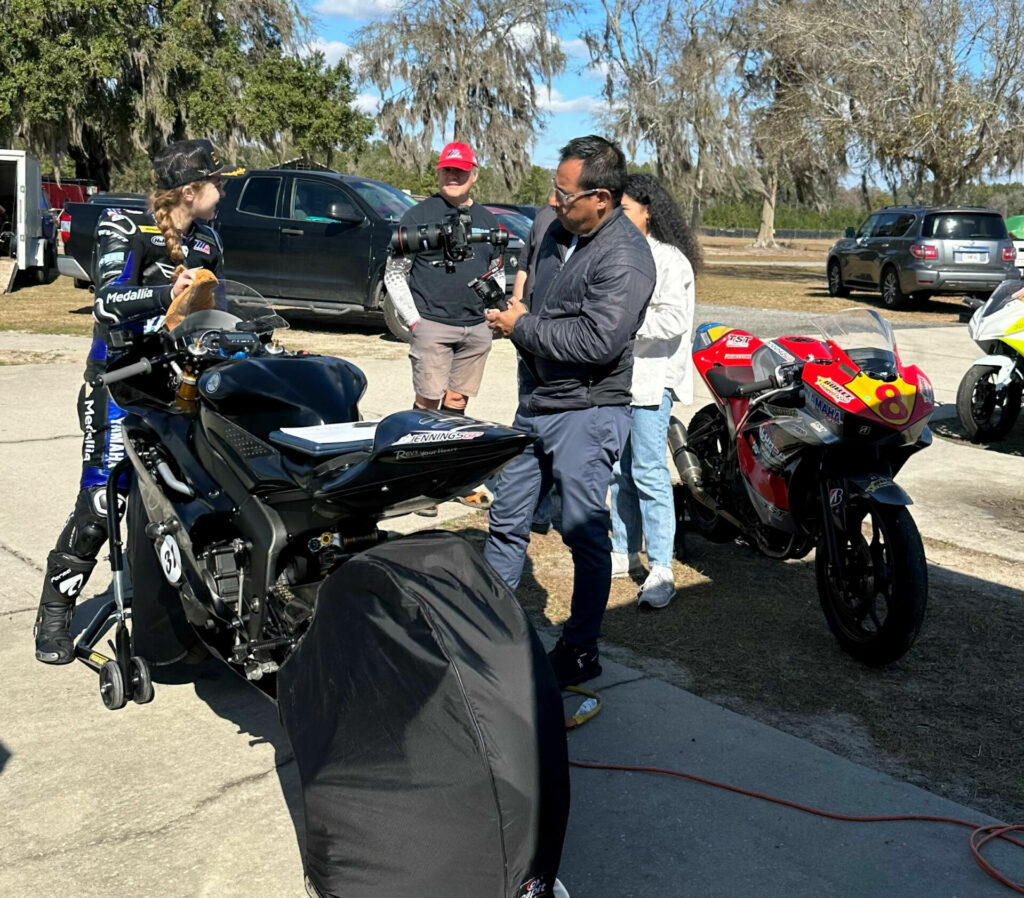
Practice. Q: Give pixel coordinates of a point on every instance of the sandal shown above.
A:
(478, 499)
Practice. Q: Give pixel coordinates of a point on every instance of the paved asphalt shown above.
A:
(196, 794)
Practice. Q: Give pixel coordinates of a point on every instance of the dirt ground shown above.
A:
(785, 251)
(748, 632)
(59, 308)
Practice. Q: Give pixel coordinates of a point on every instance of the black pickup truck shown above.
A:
(305, 239)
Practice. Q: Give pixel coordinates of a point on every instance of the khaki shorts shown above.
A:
(448, 357)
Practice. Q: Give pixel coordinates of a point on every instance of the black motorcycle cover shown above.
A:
(428, 731)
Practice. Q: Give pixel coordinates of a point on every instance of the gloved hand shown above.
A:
(201, 294)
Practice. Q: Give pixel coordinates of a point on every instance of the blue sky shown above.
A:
(574, 103)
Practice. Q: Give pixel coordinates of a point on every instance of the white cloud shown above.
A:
(575, 47)
(367, 102)
(525, 35)
(554, 102)
(356, 9)
(332, 50)
(579, 59)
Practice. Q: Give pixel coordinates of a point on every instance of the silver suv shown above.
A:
(914, 252)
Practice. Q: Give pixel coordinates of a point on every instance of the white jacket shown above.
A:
(661, 353)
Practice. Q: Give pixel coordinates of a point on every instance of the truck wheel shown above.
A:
(836, 287)
(893, 296)
(399, 329)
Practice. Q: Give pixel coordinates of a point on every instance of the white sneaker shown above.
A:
(559, 890)
(624, 565)
(659, 588)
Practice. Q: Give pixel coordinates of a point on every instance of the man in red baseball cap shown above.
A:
(457, 155)
(449, 338)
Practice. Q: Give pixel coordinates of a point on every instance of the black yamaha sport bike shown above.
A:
(253, 532)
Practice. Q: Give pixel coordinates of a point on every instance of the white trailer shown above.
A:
(22, 244)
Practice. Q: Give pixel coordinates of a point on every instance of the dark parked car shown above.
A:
(517, 224)
(304, 239)
(529, 211)
(307, 239)
(119, 200)
(914, 252)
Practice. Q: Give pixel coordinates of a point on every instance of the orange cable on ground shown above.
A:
(980, 835)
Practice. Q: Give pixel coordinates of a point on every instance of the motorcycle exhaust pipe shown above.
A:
(685, 460)
(690, 472)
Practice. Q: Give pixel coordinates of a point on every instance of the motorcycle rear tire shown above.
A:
(161, 634)
(710, 444)
(985, 414)
(875, 606)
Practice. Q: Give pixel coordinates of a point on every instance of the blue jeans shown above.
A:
(575, 451)
(642, 506)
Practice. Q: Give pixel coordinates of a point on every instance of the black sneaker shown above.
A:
(573, 664)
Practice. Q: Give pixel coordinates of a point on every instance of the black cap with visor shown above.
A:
(185, 161)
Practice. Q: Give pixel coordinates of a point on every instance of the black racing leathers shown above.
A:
(133, 289)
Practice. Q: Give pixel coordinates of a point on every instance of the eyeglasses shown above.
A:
(567, 199)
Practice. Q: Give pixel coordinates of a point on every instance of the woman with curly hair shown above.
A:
(642, 506)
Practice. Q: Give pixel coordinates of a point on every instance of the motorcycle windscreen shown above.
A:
(428, 730)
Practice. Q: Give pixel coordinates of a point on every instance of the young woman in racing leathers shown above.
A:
(137, 255)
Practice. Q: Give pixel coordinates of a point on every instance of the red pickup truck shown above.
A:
(69, 190)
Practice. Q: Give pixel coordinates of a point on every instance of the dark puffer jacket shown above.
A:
(578, 339)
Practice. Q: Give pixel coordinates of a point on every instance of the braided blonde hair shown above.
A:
(162, 202)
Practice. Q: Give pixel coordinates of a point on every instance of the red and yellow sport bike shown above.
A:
(799, 451)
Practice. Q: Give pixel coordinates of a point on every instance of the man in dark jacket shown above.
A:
(594, 277)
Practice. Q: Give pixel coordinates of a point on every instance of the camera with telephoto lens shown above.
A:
(452, 237)
(489, 290)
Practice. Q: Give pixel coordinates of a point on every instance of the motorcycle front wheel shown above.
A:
(986, 412)
(874, 600)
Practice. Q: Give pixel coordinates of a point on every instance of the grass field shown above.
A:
(59, 308)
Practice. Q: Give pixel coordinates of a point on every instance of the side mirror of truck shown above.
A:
(344, 212)
(850, 233)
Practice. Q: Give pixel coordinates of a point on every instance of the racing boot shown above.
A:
(66, 576)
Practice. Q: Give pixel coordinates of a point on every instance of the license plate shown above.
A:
(972, 257)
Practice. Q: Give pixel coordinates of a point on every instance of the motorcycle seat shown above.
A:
(725, 381)
(327, 440)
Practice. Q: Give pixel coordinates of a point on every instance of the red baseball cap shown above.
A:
(457, 155)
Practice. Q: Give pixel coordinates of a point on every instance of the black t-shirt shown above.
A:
(441, 296)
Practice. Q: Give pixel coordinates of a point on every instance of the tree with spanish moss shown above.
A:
(667, 71)
(470, 70)
(105, 82)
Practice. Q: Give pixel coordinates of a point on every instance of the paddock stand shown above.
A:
(125, 676)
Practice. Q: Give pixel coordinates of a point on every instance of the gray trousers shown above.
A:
(576, 451)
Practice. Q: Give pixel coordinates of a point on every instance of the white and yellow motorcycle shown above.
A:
(989, 396)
